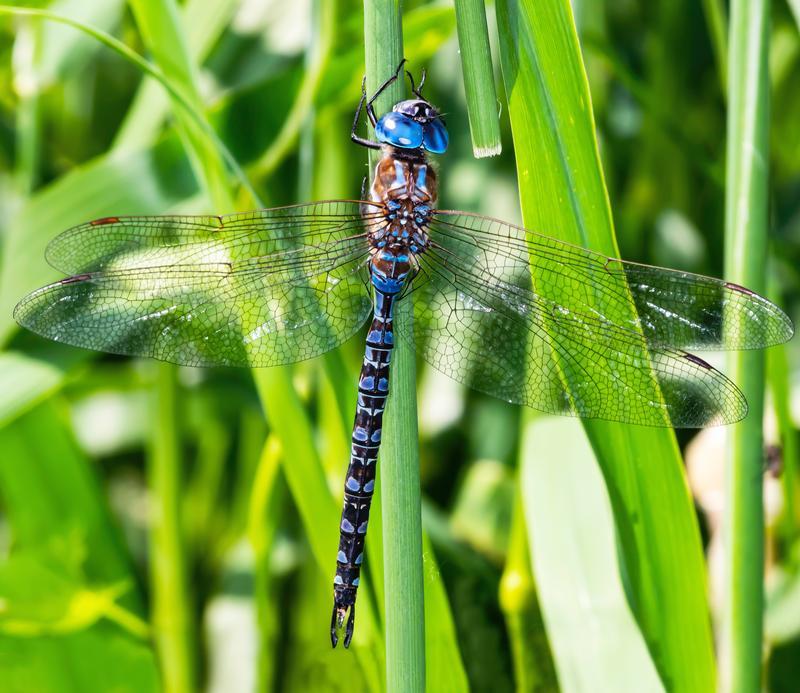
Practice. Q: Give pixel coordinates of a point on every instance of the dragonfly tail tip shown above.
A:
(340, 613)
(338, 624)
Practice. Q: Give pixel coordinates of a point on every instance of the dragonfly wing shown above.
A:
(503, 339)
(158, 240)
(673, 309)
(266, 288)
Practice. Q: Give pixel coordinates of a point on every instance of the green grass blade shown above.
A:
(64, 537)
(302, 466)
(401, 509)
(172, 613)
(572, 535)
(203, 21)
(30, 377)
(262, 525)
(746, 204)
(717, 21)
(562, 193)
(204, 136)
(318, 509)
(319, 54)
(780, 385)
(533, 658)
(476, 66)
(159, 25)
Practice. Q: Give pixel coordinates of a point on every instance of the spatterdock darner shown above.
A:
(518, 315)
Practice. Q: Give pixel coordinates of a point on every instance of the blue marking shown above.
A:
(422, 209)
(399, 173)
(341, 558)
(355, 582)
(388, 338)
(374, 354)
(402, 258)
(368, 382)
(383, 383)
(386, 285)
(381, 244)
(353, 485)
(362, 528)
(376, 436)
(414, 249)
(338, 580)
(421, 175)
(360, 434)
(369, 486)
(347, 526)
(404, 234)
(359, 558)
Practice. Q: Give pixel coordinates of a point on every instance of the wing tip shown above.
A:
(787, 328)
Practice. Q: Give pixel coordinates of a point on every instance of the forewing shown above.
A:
(673, 309)
(482, 326)
(255, 289)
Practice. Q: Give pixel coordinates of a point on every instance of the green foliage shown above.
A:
(165, 529)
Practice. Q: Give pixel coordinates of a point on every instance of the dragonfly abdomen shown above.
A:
(373, 389)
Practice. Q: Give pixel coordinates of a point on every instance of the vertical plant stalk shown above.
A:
(745, 263)
(173, 622)
(476, 66)
(262, 524)
(26, 85)
(779, 382)
(717, 21)
(324, 19)
(533, 661)
(399, 457)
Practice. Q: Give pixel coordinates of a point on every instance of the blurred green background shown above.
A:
(150, 535)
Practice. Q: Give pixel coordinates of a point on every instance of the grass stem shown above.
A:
(745, 263)
(399, 458)
(172, 614)
(476, 66)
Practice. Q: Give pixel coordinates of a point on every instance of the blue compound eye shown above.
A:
(435, 137)
(399, 130)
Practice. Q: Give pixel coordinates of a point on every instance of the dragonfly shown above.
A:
(516, 314)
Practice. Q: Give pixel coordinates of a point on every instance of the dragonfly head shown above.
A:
(413, 124)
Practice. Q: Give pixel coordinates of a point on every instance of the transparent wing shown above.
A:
(672, 309)
(485, 318)
(255, 289)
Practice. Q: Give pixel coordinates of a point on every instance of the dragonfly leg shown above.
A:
(354, 131)
(370, 108)
(417, 91)
(379, 91)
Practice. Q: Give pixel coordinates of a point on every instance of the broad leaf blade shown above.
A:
(562, 192)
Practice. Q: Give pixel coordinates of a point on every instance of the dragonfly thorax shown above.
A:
(405, 189)
(399, 175)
